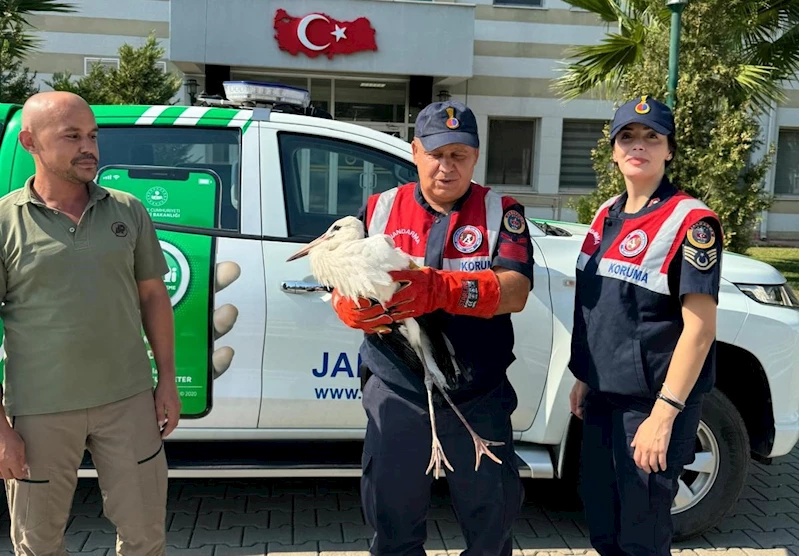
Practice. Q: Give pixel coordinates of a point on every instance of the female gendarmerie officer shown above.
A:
(643, 346)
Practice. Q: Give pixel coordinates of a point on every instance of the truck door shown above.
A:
(311, 365)
(231, 152)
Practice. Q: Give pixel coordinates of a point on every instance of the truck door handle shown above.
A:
(296, 286)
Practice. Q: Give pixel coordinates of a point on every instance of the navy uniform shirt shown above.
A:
(625, 332)
(436, 240)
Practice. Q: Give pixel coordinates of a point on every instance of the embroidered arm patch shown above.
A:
(699, 248)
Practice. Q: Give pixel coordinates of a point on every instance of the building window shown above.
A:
(786, 181)
(161, 64)
(527, 3)
(109, 63)
(511, 145)
(576, 166)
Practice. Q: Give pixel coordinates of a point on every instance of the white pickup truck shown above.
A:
(270, 377)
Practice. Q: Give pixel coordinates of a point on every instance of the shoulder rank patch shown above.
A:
(514, 222)
(701, 259)
(701, 235)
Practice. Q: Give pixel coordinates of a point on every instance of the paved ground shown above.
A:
(313, 517)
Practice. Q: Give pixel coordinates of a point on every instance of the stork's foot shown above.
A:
(437, 457)
(481, 449)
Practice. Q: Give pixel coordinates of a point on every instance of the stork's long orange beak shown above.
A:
(307, 249)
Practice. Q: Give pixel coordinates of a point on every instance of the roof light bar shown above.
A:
(265, 93)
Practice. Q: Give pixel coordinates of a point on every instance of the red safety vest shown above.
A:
(645, 247)
(471, 237)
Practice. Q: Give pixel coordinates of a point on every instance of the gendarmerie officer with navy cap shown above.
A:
(476, 255)
(643, 344)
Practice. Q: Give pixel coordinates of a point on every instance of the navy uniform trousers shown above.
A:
(627, 510)
(395, 491)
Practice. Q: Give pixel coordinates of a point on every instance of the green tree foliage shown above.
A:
(137, 80)
(716, 111)
(16, 82)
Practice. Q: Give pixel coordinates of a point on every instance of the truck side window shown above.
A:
(325, 179)
(198, 147)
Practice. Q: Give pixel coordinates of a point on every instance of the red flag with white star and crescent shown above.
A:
(318, 34)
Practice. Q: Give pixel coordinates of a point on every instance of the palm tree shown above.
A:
(15, 40)
(765, 34)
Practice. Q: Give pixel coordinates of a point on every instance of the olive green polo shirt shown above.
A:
(71, 309)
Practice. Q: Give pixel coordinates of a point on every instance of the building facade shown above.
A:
(378, 62)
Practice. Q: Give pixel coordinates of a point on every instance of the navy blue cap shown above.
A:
(444, 123)
(648, 111)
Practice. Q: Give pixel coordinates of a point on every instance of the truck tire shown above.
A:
(710, 486)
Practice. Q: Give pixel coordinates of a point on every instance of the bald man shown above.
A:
(81, 273)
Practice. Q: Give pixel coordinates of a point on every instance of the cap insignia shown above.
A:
(643, 107)
(452, 121)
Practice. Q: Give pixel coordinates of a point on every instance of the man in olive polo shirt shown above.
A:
(80, 273)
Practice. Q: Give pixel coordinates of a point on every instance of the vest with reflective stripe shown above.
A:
(626, 322)
(389, 213)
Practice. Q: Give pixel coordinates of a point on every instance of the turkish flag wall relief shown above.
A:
(319, 34)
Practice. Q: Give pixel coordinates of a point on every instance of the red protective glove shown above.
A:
(425, 290)
(363, 314)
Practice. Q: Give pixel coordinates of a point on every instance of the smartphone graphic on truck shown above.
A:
(184, 204)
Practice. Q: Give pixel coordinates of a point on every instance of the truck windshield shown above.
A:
(215, 149)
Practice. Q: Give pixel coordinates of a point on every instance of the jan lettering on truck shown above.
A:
(236, 185)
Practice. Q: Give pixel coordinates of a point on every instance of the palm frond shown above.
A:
(758, 83)
(600, 64)
(782, 54)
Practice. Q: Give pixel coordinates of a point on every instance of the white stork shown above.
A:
(356, 266)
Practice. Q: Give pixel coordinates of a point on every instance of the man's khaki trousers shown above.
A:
(126, 447)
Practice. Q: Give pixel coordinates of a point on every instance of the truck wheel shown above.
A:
(710, 486)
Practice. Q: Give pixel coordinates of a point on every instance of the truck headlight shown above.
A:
(771, 294)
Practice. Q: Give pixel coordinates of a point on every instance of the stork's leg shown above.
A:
(437, 454)
(480, 445)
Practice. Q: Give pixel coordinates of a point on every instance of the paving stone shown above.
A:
(567, 528)
(295, 487)
(96, 552)
(523, 527)
(740, 522)
(179, 539)
(279, 519)
(779, 480)
(432, 530)
(74, 542)
(745, 507)
(209, 505)
(765, 552)
(204, 489)
(355, 548)
(577, 543)
(448, 529)
(692, 544)
(255, 519)
(244, 489)
(778, 492)
(230, 537)
(775, 539)
(543, 527)
(283, 503)
(305, 518)
(349, 501)
(83, 523)
(307, 549)
(775, 507)
(442, 514)
(253, 535)
(455, 544)
(328, 502)
(183, 521)
(731, 540)
(204, 551)
(355, 532)
(93, 509)
(750, 492)
(779, 521)
(183, 505)
(255, 550)
(541, 543)
(98, 539)
(326, 517)
(331, 533)
(209, 521)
